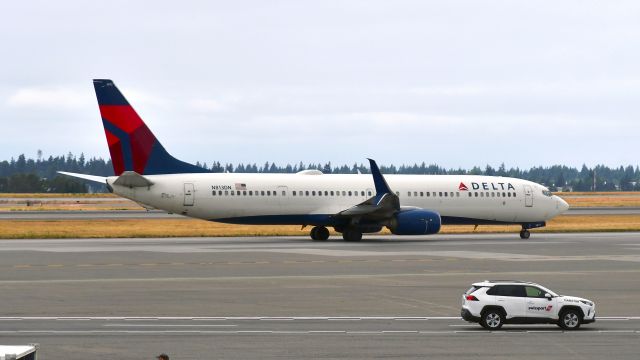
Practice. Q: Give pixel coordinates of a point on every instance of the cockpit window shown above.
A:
(546, 192)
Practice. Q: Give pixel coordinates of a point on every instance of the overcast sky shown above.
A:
(457, 83)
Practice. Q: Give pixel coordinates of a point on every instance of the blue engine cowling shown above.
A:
(416, 222)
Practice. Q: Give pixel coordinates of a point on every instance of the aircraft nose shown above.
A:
(562, 205)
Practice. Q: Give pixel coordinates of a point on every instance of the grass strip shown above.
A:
(141, 228)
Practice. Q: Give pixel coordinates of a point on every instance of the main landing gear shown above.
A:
(352, 235)
(319, 233)
(524, 234)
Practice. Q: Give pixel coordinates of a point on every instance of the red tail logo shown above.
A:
(462, 187)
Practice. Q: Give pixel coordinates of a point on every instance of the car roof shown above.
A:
(504, 282)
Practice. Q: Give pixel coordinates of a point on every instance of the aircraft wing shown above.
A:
(382, 206)
(99, 179)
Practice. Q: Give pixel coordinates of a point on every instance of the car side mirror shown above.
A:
(548, 296)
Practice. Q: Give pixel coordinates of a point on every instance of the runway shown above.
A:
(275, 297)
(158, 214)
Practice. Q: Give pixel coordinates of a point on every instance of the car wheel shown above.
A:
(570, 319)
(492, 319)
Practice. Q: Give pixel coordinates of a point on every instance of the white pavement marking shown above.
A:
(169, 325)
(293, 277)
(314, 332)
(262, 318)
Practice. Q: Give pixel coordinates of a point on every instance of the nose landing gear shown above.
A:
(524, 234)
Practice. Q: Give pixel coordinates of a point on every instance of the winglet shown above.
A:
(381, 184)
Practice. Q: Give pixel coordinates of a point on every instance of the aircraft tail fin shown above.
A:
(132, 146)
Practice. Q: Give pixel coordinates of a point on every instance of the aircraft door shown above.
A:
(189, 194)
(528, 196)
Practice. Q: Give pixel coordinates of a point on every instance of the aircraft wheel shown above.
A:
(319, 233)
(524, 234)
(352, 235)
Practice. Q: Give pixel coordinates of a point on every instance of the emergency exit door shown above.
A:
(528, 196)
(189, 194)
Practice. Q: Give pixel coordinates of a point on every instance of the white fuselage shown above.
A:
(286, 198)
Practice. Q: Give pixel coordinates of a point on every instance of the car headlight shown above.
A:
(586, 302)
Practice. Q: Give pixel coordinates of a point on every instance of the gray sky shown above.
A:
(457, 83)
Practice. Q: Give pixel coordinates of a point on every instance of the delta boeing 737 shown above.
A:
(351, 204)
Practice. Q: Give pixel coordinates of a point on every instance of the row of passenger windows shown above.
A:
(284, 193)
(358, 193)
(457, 194)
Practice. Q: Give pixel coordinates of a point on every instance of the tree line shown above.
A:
(24, 174)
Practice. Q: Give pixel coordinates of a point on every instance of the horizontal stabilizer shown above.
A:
(99, 179)
(132, 179)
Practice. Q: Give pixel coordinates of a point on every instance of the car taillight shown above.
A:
(471, 298)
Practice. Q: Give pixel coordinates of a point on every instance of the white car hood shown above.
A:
(572, 299)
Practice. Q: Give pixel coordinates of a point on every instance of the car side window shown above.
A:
(507, 290)
(534, 292)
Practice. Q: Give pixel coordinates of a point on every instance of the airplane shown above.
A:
(352, 204)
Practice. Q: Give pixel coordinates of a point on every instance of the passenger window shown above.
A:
(232, 193)
(332, 193)
(284, 193)
(415, 193)
(534, 292)
(294, 193)
(306, 193)
(493, 194)
(470, 194)
(428, 194)
(408, 193)
(361, 193)
(498, 194)
(421, 194)
(457, 194)
(451, 194)
(226, 192)
(349, 193)
(509, 194)
(514, 194)
(313, 193)
(476, 194)
(481, 194)
(319, 193)
(244, 192)
(446, 194)
(268, 192)
(220, 192)
(250, 193)
(504, 195)
(344, 193)
(507, 290)
(440, 193)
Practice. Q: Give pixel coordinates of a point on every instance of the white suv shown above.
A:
(493, 303)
